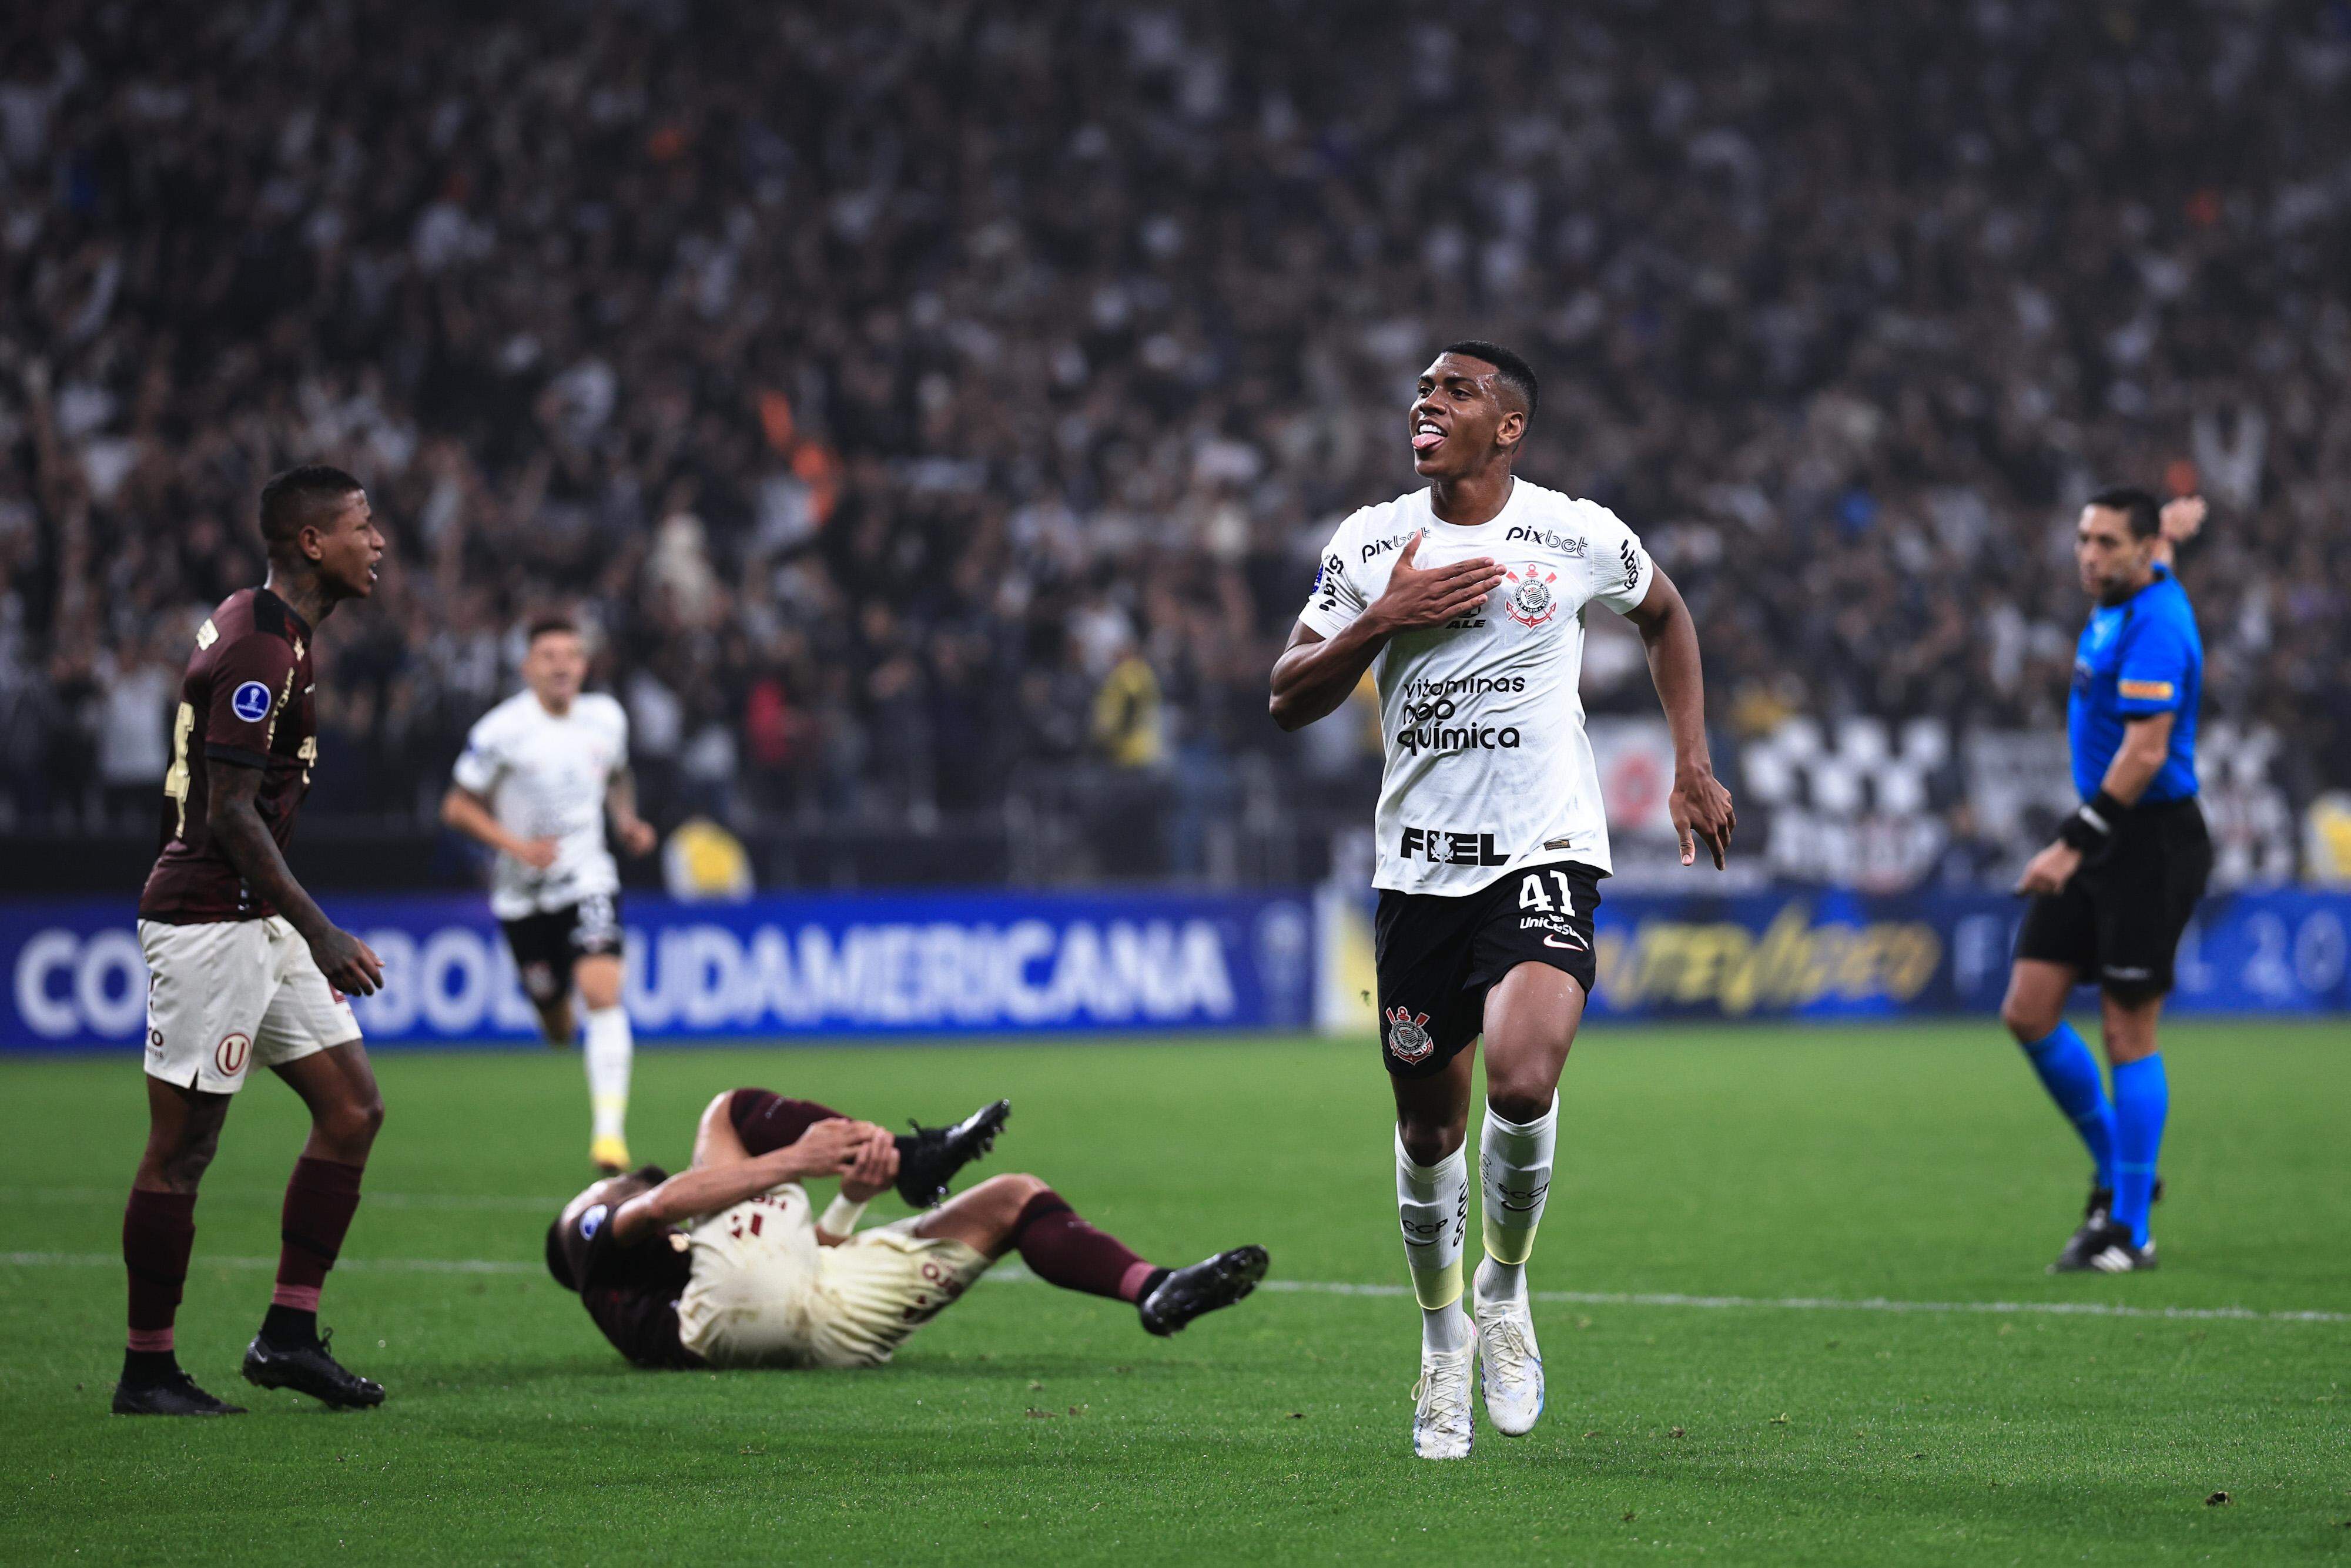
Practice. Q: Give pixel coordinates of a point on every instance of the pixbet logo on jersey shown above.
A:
(1574, 547)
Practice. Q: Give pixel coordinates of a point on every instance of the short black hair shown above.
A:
(557, 1263)
(547, 626)
(2144, 512)
(293, 500)
(1508, 368)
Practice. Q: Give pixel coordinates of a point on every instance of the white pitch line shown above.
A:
(1013, 1274)
(1835, 1304)
(365, 1265)
(495, 1202)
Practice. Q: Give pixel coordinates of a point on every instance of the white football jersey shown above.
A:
(1487, 767)
(545, 778)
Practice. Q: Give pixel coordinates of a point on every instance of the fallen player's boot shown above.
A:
(929, 1157)
(608, 1153)
(1205, 1286)
(310, 1369)
(176, 1395)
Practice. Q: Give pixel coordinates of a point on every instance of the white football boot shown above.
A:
(1440, 1418)
(1509, 1366)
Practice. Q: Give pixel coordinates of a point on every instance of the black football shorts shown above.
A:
(1439, 954)
(2117, 923)
(548, 944)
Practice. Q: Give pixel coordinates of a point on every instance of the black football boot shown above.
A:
(928, 1157)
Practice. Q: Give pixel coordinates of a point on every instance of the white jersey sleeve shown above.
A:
(613, 719)
(486, 758)
(1338, 596)
(1621, 571)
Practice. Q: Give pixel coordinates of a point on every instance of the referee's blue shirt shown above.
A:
(2142, 656)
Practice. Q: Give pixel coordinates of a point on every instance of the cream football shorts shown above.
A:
(765, 1294)
(230, 994)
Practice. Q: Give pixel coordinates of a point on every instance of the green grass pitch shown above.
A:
(1912, 1163)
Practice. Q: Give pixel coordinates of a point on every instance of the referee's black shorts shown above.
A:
(2118, 922)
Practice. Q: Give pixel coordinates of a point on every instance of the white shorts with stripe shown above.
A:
(228, 995)
(765, 1294)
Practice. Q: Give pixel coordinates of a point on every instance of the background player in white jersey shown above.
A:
(539, 774)
(1467, 600)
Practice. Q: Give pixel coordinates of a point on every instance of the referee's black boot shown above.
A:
(2090, 1238)
(2083, 1244)
(2116, 1253)
(310, 1369)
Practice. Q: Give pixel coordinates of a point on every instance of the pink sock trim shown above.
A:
(150, 1340)
(301, 1298)
(1130, 1284)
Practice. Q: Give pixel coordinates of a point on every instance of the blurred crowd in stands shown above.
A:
(912, 395)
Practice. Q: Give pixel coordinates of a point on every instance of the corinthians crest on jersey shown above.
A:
(1509, 764)
(1527, 593)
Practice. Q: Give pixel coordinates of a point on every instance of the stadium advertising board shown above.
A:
(1829, 953)
(1143, 961)
(865, 965)
(1814, 953)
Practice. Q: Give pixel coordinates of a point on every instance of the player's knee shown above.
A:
(1428, 1143)
(181, 1169)
(1520, 1101)
(2028, 1019)
(353, 1123)
(1013, 1190)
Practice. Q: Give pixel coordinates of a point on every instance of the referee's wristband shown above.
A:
(839, 1216)
(2092, 826)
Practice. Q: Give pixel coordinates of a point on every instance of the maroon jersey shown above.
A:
(630, 1291)
(245, 701)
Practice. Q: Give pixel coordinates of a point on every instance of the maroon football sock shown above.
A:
(320, 1198)
(1063, 1249)
(767, 1121)
(159, 1228)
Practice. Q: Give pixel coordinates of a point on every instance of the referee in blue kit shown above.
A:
(2111, 896)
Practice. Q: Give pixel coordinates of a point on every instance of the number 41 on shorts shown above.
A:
(1533, 896)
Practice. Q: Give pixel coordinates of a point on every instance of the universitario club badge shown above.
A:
(1530, 601)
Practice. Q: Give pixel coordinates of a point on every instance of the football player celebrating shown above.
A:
(729, 1265)
(1467, 600)
(540, 773)
(243, 968)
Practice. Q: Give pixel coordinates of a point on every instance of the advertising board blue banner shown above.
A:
(925, 962)
(1829, 953)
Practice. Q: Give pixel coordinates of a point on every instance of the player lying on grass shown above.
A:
(729, 1265)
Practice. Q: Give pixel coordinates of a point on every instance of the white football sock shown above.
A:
(1433, 1205)
(1514, 1161)
(1445, 1329)
(609, 1047)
